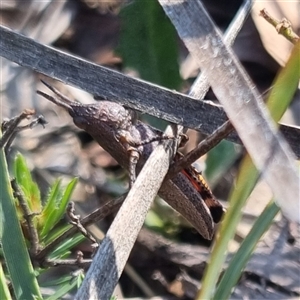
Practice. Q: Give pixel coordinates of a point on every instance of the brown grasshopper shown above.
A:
(131, 142)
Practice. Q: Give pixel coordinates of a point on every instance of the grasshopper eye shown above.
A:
(81, 122)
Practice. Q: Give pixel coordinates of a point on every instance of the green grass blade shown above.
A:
(46, 220)
(55, 233)
(245, 183)
(28, 186)
(277, 104)
(148, 43)
(64, 289)
(22, 173)
(50, 203)
(285, 85)
(66, 198)
(66, 246)
(278, 101)
(58, 208)
(240, 259)
(4, 290)
(57, 281)
(13, 244)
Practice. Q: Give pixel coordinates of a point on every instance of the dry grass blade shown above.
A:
(133, 93)
(240, 99)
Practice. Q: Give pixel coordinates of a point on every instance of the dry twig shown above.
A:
(28, 216)
(283, 27)
(75, 220)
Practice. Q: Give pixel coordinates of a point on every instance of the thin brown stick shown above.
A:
(283, 27)
(202, 148)
(40, 120)
(75, 220)
(78, 261)
(9, 127)
(28, 216)
(95, 216)
(67, 262)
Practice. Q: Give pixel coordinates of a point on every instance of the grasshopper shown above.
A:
(131, 142)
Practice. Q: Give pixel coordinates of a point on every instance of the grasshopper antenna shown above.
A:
(61, 100)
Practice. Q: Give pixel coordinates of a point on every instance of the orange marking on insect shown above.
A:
(199, 183)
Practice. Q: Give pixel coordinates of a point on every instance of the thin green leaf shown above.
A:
(153, 220)
(64, 289)
(57, 281)
(66, 246)
(50, 203)
(55, 233)
(27, 185)
(240, 259)
(58, 208)
(4, 290)
(13, 244)
(66, 198)
(149, 44)
(46, 219)
(245, 183)
(277, 107)
(285, 85)
(53, 195)
(80, 279)
(22, 173)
